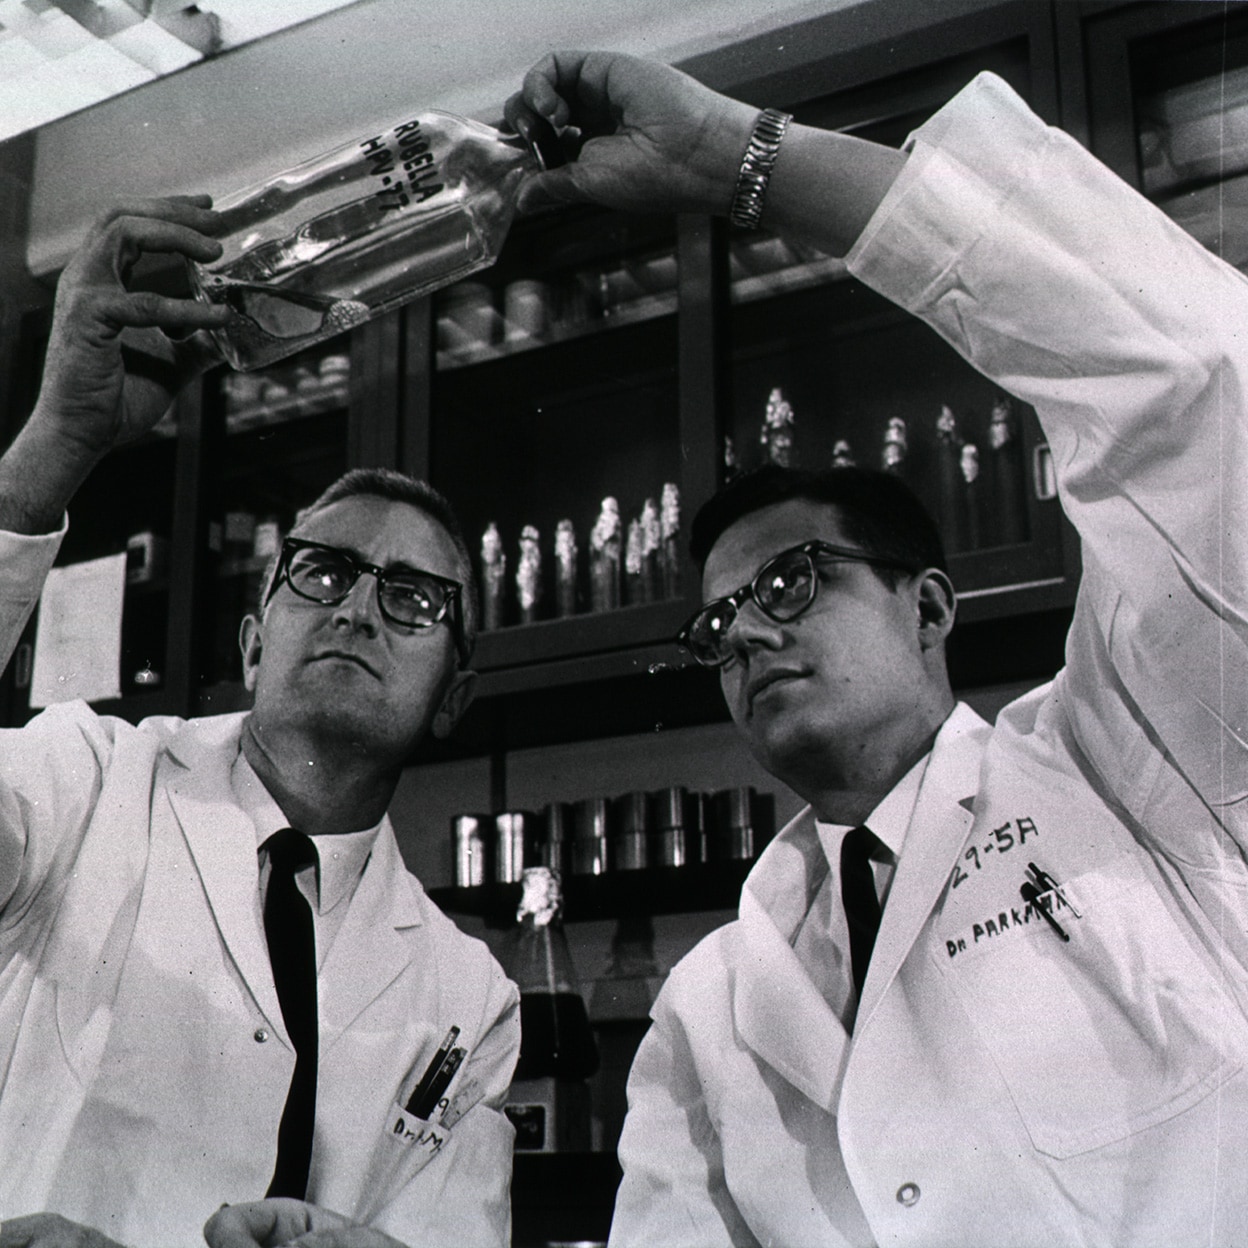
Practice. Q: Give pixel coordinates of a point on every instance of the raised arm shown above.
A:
(112, 368)
(1054, 278)
(650, 138)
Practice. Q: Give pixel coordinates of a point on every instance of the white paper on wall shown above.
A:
(78, 634)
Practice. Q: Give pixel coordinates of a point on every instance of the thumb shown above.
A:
(550, 190)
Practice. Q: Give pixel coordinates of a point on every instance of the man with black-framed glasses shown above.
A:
(990, 988)
(218, 981)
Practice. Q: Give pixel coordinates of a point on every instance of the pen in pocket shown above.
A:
(420, 1096)
(441, 1082)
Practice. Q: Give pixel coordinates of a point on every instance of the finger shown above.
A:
(547, 82)
(518, 115)
(145, 309)
(194, 211)
(139, 234)
(251, 1225)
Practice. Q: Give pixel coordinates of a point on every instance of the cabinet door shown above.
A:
(823, 371)
(555, 415)
(1163, 100)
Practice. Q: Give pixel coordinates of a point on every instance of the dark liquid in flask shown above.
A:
(555, 1037)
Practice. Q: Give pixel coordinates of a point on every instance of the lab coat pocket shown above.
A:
(406, 1147)
(1101, 1037)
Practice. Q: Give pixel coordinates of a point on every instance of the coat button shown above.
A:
(261, 1034)
(908, 1194)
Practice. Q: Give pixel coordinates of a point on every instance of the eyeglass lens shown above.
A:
(408, 597)
(783, 589)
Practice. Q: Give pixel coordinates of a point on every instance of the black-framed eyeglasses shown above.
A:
(783, 588)
(407, 596)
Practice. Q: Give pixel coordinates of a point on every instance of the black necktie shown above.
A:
(862, 902)
(292, 952)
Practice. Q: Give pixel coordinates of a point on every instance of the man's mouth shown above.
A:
(347, 656)
(769, 680)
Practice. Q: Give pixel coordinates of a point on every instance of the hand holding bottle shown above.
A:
(113, 367)
(652, 138)
(116, 357)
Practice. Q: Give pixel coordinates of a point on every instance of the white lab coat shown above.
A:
(1003, 1087)
(143, 1059)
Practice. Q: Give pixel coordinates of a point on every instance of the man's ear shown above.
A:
(938, 606)
(455, 702)
(250, 642)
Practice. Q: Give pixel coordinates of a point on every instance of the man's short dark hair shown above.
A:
(398, 487)
(877, 511)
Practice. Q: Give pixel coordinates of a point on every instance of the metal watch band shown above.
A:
(756, 166)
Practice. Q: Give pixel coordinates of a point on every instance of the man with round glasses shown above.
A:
(991, 987)
(218, 982)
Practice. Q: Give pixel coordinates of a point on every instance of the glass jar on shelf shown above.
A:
(591, 274)
(554, 392)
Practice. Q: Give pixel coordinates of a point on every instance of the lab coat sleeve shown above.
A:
(464, 1198)
(673, 1192)
(24, 565)
(51, 776)
(1056, 279)
(51, 770)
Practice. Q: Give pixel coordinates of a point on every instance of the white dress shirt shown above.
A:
(330, 883)
(823, 940)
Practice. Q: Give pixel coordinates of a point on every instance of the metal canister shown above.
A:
(589, 836)
(629, 820)
(741, 823)
(514, 836)
(554, 831)
(677, 815)
(470, 837)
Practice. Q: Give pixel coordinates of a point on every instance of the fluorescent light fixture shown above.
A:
(60, 56)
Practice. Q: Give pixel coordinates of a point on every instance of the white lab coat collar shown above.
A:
(222, 842)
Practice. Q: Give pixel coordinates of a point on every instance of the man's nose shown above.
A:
(359, 609)
(751, 630)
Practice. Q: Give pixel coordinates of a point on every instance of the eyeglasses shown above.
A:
(407, 596)
(782, 589)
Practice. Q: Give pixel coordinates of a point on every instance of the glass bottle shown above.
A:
(1006, 463)
(950, 483)
(493, 577)
(776, 434)
(604, 558)
(565, 568)
(669, 537)
(556, 1038)
(353, 233)
(529, 574)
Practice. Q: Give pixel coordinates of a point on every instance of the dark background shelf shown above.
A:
(615, 895)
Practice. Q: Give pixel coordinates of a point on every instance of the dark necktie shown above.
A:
(292, 953)
(862, 902)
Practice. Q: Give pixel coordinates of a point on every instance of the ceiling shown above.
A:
(234, 117)
(60, 56)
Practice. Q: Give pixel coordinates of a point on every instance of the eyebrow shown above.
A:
(398, 565)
